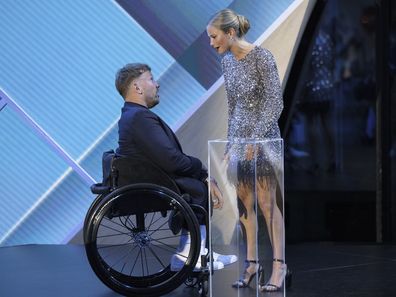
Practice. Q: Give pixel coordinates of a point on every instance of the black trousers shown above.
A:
(198, 192)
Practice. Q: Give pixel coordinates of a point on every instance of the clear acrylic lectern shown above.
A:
(250, 223)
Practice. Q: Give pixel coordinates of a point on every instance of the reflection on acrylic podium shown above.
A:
(249, 174)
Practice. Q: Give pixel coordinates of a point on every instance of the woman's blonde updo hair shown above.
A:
(226, 19)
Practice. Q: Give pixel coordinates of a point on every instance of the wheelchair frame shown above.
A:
(128, 237)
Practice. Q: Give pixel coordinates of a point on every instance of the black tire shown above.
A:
(204, 288)
(191, 281)
(129, 244)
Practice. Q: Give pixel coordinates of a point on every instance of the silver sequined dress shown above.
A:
(254, 106)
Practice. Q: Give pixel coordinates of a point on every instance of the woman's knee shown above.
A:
(244, 192)
(267, 203)
(245, 201)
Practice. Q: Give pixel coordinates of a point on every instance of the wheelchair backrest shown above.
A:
(107, 183)
(130, 170)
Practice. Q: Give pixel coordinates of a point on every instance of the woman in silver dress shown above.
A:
(254, 105)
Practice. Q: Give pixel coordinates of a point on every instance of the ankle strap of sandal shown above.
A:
(258, 262)
(252, 261)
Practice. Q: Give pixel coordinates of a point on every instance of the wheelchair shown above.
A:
(129, 231)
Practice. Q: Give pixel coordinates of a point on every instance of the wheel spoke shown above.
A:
(114, 245)
(123, 257)
(167, 237)
(134, 264)
(165, 247)
(156, 256)
(111, 228)
(128, 219)
(145, 257)
(141, 261)
(152, 218)
(120, 233)
(153, 231)
(110, 251)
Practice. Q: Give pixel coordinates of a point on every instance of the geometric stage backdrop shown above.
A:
(58, 104)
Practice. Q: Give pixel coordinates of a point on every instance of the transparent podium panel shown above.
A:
(247, 223)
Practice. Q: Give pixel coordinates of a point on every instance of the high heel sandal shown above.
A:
(286, 277)
(247, 277)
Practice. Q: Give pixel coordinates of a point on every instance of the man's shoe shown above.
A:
(225, 259)
(177, 263)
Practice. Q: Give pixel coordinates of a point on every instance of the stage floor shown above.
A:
(319, 270)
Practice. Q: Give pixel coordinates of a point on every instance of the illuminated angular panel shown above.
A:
(29, 170)
(59, 58)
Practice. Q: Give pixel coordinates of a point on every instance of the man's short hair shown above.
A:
(127, 74)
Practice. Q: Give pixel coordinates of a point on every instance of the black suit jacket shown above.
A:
(143, 134)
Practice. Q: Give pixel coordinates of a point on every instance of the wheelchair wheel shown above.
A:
(204, 288)
(129, 244)
(191, 281)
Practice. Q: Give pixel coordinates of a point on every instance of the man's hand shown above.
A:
(216, 195)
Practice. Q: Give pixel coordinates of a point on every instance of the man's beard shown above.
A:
(153, 102)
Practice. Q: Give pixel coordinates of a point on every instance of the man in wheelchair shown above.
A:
(144, 135)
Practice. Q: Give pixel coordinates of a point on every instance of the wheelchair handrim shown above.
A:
(159, 283)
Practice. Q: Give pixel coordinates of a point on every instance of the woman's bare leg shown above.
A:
(266, 193)
(247, 218)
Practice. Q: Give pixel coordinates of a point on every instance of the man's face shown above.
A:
(149, 88)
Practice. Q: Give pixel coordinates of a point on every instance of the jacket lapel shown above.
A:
(170, 133)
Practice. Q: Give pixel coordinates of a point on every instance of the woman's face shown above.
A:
(219, 40)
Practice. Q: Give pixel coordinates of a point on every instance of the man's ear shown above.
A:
(137, 89)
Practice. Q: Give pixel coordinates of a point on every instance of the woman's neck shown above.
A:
(241, 48)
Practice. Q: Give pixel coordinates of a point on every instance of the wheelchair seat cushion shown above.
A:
(132, 170)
